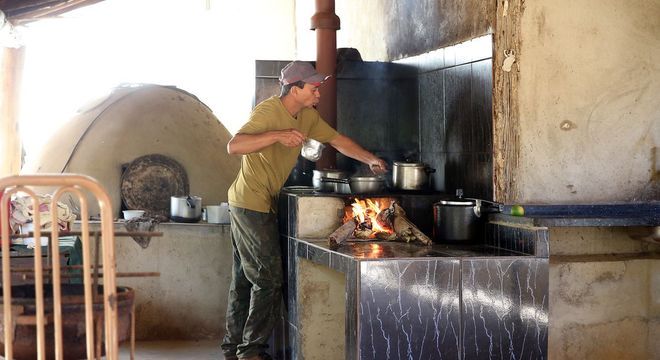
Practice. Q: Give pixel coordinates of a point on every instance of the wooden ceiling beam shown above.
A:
(24, 11)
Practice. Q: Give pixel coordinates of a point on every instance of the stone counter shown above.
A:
(189, 298)
(391, 300)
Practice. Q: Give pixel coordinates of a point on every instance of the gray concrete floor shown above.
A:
(171, 350)
(165, 350)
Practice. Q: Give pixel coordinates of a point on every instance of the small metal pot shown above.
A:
(312, 149)
(187, 209)
(324, 186)
(461, 220)
(411, 176)
(360, 184)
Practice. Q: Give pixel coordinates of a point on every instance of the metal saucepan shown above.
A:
(360, 184)
(186, 209)
(411, 176)
(461, 219)
(326, 186)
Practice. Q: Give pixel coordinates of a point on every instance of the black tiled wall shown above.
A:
(455, 116)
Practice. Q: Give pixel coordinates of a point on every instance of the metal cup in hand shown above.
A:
(312, 149)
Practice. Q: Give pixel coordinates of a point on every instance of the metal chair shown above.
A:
(77, 185)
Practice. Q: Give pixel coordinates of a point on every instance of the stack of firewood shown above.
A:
(392, 219)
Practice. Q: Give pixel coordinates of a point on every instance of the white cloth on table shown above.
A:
(22, 212)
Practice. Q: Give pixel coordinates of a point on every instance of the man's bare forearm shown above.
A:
(350, 148)
(249, 143)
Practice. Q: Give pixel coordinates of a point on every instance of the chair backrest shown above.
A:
(12, 310)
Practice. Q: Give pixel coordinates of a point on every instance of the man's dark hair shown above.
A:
(287, 88)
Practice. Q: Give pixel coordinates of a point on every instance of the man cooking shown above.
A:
(270, 143)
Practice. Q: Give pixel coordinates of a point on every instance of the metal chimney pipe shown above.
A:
(326, 23)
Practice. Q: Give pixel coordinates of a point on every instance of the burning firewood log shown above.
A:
(340, 235)
(405, 229)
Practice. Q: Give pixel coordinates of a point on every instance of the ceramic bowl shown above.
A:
(132, 214)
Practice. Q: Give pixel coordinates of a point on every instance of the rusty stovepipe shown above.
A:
(326, 23)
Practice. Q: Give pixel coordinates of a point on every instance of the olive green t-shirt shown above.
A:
(263, 173)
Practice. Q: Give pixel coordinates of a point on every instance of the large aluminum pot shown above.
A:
(323, 186)
(461, 219)
(186, 209)
(361, 184)
(411, 176)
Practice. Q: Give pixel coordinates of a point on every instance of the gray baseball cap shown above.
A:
(301, 71)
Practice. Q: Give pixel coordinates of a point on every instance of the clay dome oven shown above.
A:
(135, 122)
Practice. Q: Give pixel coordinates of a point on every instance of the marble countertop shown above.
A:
(605, 214)
(378, 250)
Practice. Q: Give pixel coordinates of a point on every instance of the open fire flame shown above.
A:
(365, 213)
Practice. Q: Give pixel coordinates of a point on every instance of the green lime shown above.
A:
(517, 210)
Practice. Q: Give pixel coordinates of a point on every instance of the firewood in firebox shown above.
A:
(364, 230)
(405, 229)
(387, 236)
(340, 235)
(365, 225)
(363, 233)
(384, 218)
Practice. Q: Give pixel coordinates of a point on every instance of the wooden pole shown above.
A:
(506, 117)
(10, 141)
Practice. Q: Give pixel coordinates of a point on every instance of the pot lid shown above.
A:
(457, 202)
(184, 197)
(367, 178)
(328, 172)
(409, 164)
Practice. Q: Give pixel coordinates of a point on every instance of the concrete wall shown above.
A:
(321, 311)
(393, 29)
(600, 307)
(589, 104)
(189, 298)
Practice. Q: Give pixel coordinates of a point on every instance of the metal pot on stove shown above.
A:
(186, 209)
(411, 176)
(326, 186)
(461, 220)
(368, 184)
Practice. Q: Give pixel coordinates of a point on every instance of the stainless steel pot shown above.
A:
(461, 219)
(186, 209)
(360, 184)
(411, 176)
(324, 186)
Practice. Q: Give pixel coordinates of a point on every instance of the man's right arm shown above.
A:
(250, 143)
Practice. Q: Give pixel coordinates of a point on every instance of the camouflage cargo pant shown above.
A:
(255, 291)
